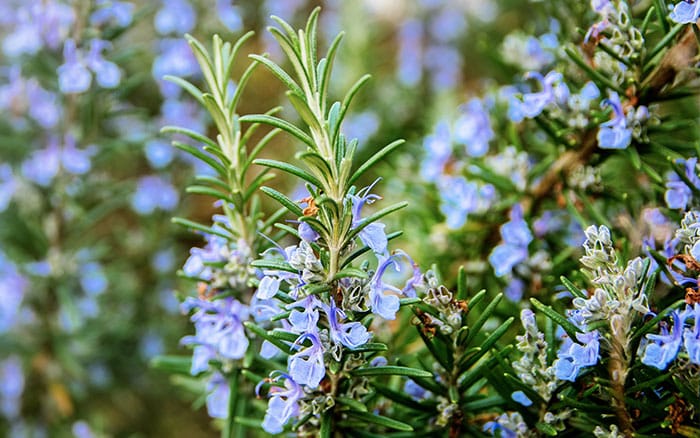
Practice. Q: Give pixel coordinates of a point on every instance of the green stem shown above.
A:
(227, 432)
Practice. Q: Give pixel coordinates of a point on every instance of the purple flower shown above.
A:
(307, 367)
(663, 348)
(573, 356)
(554, 90)
(11, 387)
(349, 334)
(43, 165)
(410, 68)
(305, 321)
(81, 429)
(678, 195)
(107, 73)
(152, 193)
(307, 233)
(386, 305)
(12, 289)
(283, 404)
(92, 278)
(691, 338)
(38, 24)
(73, 74)
(614, 134)
(445, 64)
(219, 330)
(438, 149)
(268, 287)
(219, 395)
(372, 235)
(515, 289)
(415, 391)
(513, 250)
(112, 11)
(229, 15)
(174, 58)
(159, 153)
(175, 17)
(459, 197)
(685, 12)
(473, 128)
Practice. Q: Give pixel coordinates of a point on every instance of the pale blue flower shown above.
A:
(73, 74)
(438, 150)
(219, 330)
(307, 367)
(115, 11)
(691, 337)
(614, 134)
(573, 356)
(513, 249)
(218, 397)
(11, 387)
(473, 128)
(175, 17)
(107, 73)
(678, 195)
(685, 12)
(229, 15)
(521, 398)
(283, 404)
(372, 235)
(349, 334)
(154, 193)
(663, 348)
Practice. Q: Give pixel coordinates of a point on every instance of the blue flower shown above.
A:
(73, 74)
(691, 338)
(678, 195)
(415, 391)
(107, 73)
(614, 134)
(306, 320)
(438, 149)
(532, 104)
(152, 193)
(219, 395)
(81, 429)
(513, 250)
(175, 17)
(573, 356)
(307, 367)
(372, 235)
(349, 334)
(159, 153)
(175, 58)
(283, 404)
(473, 128)
(521, 398)
(685, 12)
(268, 287)
(664, 347)
(111, 10)
(459, 198)
(386, 305)
(229, 15)
(410, 66)
(219, 330)
(11, 387)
